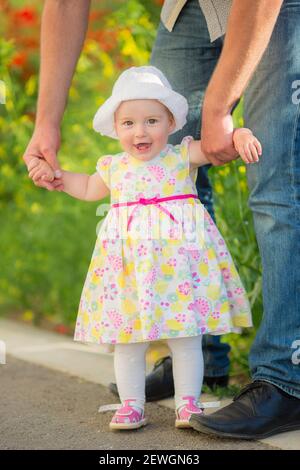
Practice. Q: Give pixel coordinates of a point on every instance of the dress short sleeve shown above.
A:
(103, 168)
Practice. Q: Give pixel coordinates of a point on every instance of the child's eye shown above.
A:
(127, 123)
(152, 121)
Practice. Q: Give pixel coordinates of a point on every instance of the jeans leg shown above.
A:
(272, 111)
(188, 58)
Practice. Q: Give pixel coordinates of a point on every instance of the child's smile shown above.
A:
(143, 147)
(143, 151)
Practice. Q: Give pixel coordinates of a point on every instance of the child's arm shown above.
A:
(78, 185)
(84, 187)
(196, 156)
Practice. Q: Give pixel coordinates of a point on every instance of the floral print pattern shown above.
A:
(142, 288)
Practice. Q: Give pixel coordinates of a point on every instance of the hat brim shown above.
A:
(103, 121)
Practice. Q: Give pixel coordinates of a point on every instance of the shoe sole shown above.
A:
(127, 426)
(181, 424)
(281, 429)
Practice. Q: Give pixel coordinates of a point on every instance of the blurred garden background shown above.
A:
(47, 238)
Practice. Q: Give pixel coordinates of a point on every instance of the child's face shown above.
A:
(143, 127)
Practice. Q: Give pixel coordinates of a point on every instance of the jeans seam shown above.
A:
(293, 158)
(294, 186)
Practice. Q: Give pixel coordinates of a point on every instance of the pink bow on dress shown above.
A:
(154, 200)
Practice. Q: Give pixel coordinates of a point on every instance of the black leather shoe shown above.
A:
(160, 384)
(260, 410)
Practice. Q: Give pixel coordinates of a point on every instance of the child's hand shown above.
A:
(39, 168)
(247, 145)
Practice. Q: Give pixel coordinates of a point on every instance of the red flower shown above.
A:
(97, 15)
(106, 39)
(26, 15)
(19, 59)
(61, 329)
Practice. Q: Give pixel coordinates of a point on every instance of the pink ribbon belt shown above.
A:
(156, 201)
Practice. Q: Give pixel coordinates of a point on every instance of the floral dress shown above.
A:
(160, 267)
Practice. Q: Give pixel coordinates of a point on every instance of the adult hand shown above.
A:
(45, 143)
(216, 137)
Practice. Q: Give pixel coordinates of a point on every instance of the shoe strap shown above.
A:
(112, 407)
(125, 407)
(193, 405)
(192, 401)
(117, 406)
(210, 404)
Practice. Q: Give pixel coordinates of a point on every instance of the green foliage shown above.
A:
(221, 392)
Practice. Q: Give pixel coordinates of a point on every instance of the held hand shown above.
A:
(40, 169)
(216, 138)
(247, 145)
(44, 144)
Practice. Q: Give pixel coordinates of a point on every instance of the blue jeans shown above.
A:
(187, 58)
(274, 185)
(272, 111)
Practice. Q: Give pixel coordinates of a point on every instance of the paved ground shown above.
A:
(45, 409)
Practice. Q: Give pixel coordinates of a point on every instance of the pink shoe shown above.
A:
(184, 412)
(128, 417)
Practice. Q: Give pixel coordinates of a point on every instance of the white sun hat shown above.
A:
(146, 82)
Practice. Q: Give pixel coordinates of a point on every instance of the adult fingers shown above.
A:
(44, 184)
(51, 158)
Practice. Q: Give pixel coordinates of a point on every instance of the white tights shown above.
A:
(130, 369)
